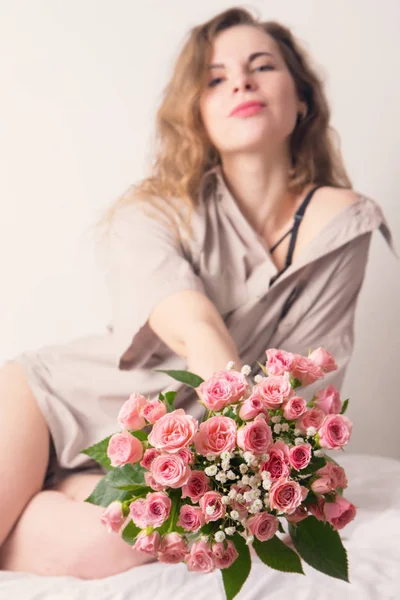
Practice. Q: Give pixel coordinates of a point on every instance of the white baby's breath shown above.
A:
(243, 468)
(277, 428)
(245, 370)
(226, 455)
(225, 500)
(230, 530)
(245, 480)
(319, 453)
(285, 427)
(258, 378)
(219, 536)
(231, 475)
(249, 539)
(211, 470)
(221, 477)
(276, 419)
(234, 515)
(296, 431)
(298, 441)
(210, 510)
(230, 365)
(232, 494)
(311, 431)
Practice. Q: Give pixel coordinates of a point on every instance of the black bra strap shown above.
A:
(297, 220)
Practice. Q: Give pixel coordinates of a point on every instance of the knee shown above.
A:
(106, 555)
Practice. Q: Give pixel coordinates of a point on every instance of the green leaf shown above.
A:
(280, 528)
(321, 547)
(99, 453)
(170, 397)
(345, 405)
(317, 462)
(103, 494)
(263, 368)
(130, 533)
(140, 435)
(235, 576)
(170, 524)
(278, 555)
(183, 376)
(126, 475)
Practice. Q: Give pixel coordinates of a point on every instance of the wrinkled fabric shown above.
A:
(80, 385)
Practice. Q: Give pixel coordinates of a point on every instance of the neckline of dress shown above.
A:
(312, 251)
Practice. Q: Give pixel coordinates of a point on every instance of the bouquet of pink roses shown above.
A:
(205, 493)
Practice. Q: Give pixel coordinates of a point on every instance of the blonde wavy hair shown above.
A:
(183, 151)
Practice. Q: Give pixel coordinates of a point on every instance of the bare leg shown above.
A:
(47, 532)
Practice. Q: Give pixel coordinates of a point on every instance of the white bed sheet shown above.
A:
(372, 541)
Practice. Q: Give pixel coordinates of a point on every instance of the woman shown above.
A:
(203, 270)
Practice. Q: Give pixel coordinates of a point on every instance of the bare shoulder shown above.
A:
(326, 204)
(329, 202)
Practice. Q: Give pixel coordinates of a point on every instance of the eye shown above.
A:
(265, 68)
(214, 82)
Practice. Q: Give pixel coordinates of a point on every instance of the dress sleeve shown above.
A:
(329, 321)
(147, 263)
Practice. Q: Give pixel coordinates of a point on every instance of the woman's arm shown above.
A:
(191, 326)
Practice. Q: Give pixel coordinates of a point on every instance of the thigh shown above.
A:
(78, 486)
(24, 445)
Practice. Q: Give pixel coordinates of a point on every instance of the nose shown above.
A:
(244, 81)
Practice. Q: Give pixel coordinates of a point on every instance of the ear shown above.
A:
(302, 110)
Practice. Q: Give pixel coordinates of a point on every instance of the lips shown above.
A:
(247, 105)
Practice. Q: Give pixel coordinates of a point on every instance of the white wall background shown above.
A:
(80, 83)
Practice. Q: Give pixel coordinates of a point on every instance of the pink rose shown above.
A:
(151, 482)
(191, 518)
(331, 477)
(138, 512)
(148, 457)
(212, 507)
(323, 359)
(170, 470)
(154, 410)
(298, 515)
(328, 400)
(173, 431)
(335, 432)
(278, 361)
(148, 543)
(318, 509)
(311, 418)
(305, 370)
(263, 526)
(223, 388)
(340, 512)
(224, 558)
(278, 462)
(255, 437)
(216, 435)
(129, 415)
(285, 495)
(252, 406)
(274, 390)
(186, 455)
(238, 381)
(172, 549)
(112, 517)
(294, 408)
(158, 508)
(200, 558)
(196, 486)
(124, 448)
(300, 456)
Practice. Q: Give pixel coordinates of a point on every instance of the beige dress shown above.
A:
(80, 385)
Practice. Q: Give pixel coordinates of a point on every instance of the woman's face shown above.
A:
(246, 66)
